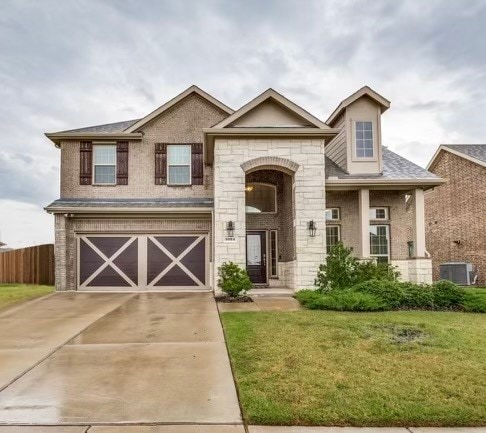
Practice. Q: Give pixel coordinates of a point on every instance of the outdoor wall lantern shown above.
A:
(230, 228)
(311, 225)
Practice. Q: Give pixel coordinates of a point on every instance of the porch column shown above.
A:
(364, 223)
(418, 223)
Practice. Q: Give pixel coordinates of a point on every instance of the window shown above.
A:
(261, 198)
(333, 236)
(104, 162)
(273, 253)
(378, 213)
(179, 164)
(379, 243)
(333, 214)
(364, 139)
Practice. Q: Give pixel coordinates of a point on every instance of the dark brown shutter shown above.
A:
(197, 164)
(122, 163)
(85, 163)
(160, 163)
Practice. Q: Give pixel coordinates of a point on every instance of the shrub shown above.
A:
(339, 271)
(370, 270)
(390, 292)
(474, 301)
(342, 270)
(417, 296)
(447, 294)
(233, 279)
(344, 300)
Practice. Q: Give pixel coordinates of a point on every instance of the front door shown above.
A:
(256, 257)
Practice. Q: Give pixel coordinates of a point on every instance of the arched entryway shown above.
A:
(269, 205)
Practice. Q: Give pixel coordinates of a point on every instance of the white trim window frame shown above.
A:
(179, 162)
(337, 229)
(106, 160)
(333, 214)
(378, 249)
(379, 213)
(273, 250)
(274, 187)
(364, 133)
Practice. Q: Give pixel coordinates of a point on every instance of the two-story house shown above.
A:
(161, 202)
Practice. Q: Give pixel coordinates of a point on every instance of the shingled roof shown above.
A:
(477, 151)
(106, 128)
(394, 167)
(473, 152)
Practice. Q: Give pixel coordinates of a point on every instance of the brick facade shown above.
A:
(183, 123)
(455, 214)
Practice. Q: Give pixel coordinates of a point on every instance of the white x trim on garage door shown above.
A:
(142, 262)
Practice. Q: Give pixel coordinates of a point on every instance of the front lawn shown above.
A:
(13, 293)
(401, 368)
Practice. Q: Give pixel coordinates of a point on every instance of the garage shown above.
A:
(143, 262)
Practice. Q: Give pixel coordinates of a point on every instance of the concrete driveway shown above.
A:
(87, 359)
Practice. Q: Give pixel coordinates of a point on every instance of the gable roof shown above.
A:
(472, 152)
(364, 91)
(193, 89)
(274, 96)
(105, 128)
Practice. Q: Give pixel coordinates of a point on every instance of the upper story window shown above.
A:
(261, 198)
(364, 140)
(378, 213)
(333, 214)
(104, 163)
(179, 164)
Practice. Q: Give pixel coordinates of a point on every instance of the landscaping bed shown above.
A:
(397, 368)
(11, 294)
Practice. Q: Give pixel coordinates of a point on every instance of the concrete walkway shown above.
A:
(83, 359)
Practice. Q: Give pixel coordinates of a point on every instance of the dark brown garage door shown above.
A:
(142, 262)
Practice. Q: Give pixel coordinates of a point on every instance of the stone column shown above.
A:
(364, 223)
(229, 205)
(418, 223)
(310, 205)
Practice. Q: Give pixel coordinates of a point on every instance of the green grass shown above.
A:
(11, 294)
(401, 368)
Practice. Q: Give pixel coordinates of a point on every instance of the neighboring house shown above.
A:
(456, 211)
(162, 201)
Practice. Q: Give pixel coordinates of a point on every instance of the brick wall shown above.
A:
(398, 221)
(456, 211)
(183, 123)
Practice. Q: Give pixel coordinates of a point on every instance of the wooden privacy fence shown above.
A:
(32, 265)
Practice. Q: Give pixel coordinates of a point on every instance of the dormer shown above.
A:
(357, 148)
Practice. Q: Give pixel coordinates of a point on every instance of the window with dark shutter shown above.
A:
(122, 163)
(197, 164)
(160, 163)
(85, 163)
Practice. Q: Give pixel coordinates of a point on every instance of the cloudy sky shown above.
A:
(67, 64)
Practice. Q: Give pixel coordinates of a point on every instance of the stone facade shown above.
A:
(455, 214)
(308, 198)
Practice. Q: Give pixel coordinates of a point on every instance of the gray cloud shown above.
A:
(70, 64)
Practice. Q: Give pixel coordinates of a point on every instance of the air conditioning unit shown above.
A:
(458, 272)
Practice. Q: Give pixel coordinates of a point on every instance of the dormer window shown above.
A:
(364, 140)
